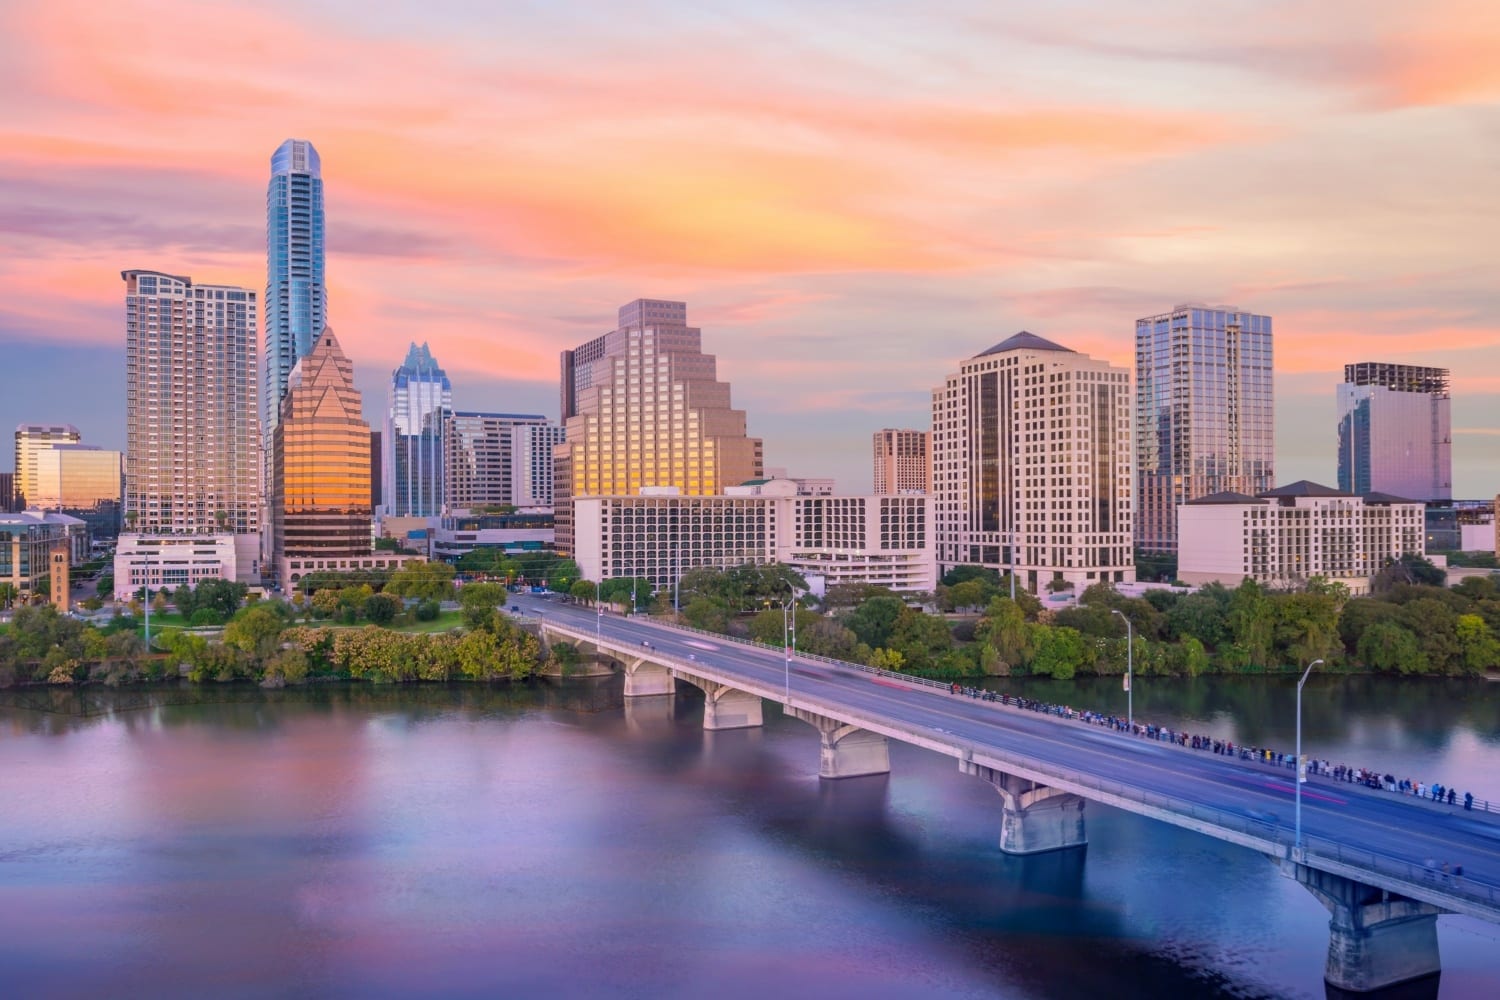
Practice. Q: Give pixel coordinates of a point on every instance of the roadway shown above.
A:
(1249, 804)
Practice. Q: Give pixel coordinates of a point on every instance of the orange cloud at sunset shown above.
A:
(850, 199)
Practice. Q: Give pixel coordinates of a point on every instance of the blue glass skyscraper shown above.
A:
(295, 306)
(413, 466)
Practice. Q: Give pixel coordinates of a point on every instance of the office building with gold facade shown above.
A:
(83, 481)
(320, 490)
(643, 407)
(31, 439)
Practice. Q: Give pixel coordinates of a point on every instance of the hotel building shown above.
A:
(1285, 536)
(660, 534)
(1031, 465)
(1204, 413)
(643, 407)
(902, 463)
(1395, 431)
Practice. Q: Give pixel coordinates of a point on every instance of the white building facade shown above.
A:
(1031, 465)
(1284, 537)
(166, 562)
(660, 535)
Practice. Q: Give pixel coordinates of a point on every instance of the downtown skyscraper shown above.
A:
(193, 448)
(295, 305)
(1204, 413)
(643, 406)
(1031, 470)
(412, 441)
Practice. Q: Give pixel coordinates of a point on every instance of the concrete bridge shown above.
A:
(1368, 856)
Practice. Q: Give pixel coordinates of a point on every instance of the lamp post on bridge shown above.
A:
(1300, 777)
(598, 617)
(1129, 668)
(789, 614)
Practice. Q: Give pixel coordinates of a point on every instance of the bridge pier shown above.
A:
(644, 679)
(1375, 937)
(1037, 818)
(847, 751)
(725, 707)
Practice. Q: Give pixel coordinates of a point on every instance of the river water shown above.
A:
(551, 841)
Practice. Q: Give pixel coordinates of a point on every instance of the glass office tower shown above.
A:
(1395, 431)
(1204, 413)
(320, 500)
(412, 463)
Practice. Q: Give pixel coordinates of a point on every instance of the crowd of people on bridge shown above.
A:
(1438, 794)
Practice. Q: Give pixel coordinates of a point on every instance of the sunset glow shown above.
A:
(851, 198)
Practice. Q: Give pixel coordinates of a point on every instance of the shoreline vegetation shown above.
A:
(394, 630)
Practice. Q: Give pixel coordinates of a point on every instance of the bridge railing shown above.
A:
(1270, 829)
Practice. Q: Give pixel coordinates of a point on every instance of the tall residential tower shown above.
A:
(1395, 431)
(296, 298)
(643, 406)
(192, 461)
(412, 441)
(1031, 465)
(1204, 421)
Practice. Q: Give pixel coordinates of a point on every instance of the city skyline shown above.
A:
(883, 207)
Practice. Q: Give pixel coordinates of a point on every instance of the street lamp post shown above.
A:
(1297, 782)
(789, 615)
(1129, 668)
(598, 617)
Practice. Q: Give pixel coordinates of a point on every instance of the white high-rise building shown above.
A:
(1031, 465)
(193, 441)
(412, 463)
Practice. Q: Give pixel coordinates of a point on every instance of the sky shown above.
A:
(851, 197)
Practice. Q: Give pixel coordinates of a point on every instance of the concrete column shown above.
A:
(1036, 818)
(725, 707)
(1375, 937)
(644, 679)
(847, 751)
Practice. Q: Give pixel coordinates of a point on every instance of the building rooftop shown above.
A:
(1226, 497)
(1303, 488)
(1385, 498)
(1025, 341)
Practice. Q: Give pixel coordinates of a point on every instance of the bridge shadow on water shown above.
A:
(1020, 923)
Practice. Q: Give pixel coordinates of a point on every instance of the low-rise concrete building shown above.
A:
(661, 534)
(166, 562)
(1283, 537)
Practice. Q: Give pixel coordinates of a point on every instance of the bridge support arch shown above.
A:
(1376, 938)
(645, 679)
(847, 751)
(1037, 818)
(725, 707)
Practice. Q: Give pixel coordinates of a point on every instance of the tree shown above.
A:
(584, 590)
(563, 574)
(159, 602)
(968, 571)
(1003, 628)
(707, 614)
(1478, 649)
(105, 586)
(8, 593)
(887, 659)
(479, 601)
(874, 621)
(205, 618)
(380, 609)
(254, 631)
(920, 638)
(1057, 651)
(422, 579)
(1389, 647)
